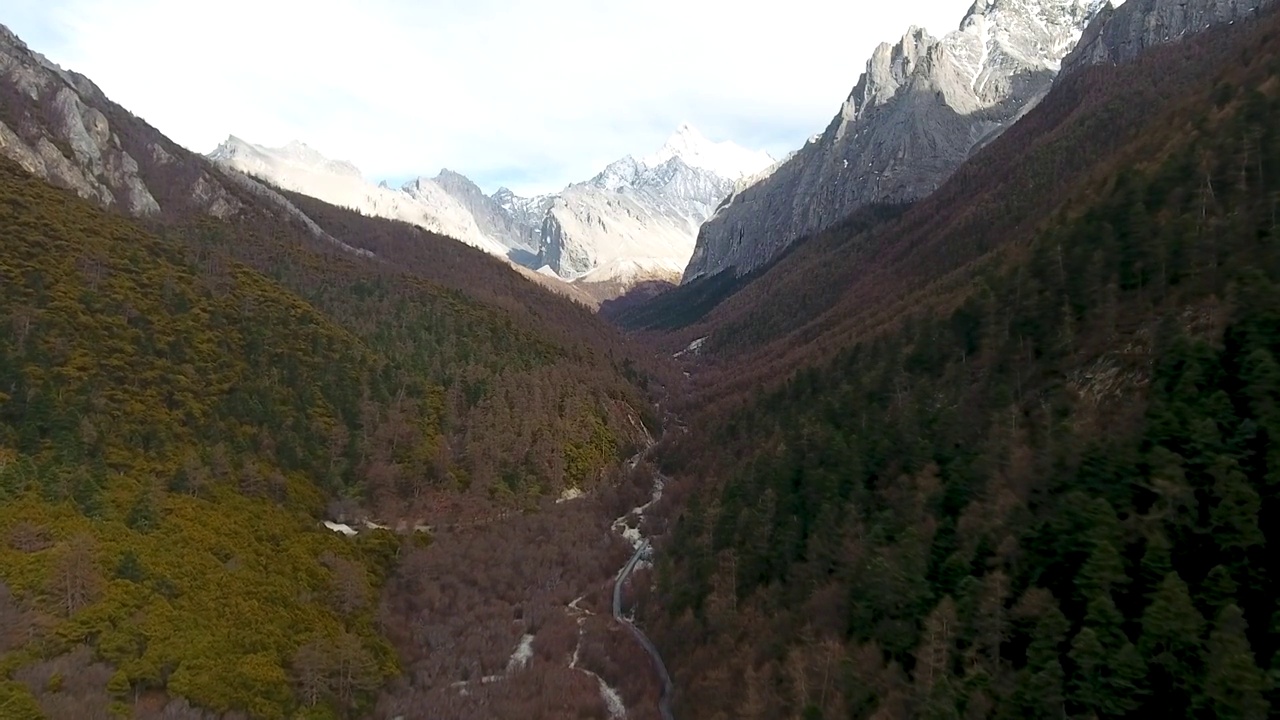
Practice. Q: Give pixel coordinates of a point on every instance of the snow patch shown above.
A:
(611, 699)
(632, 270)
(301, 169)
(572, 493)
(522, 654)
(350, 531)
(340, 528)
(694, 347)
(726, 159)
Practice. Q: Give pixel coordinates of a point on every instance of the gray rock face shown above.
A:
(1121, 34)
(60, 127)
(493, 219)
(920, 109)
(637, 220)
(71, 143)
(524, 212)
(632, 222)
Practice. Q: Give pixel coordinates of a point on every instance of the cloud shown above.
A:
(534, 95)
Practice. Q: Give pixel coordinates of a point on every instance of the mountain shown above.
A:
(59, 126)
(98, 166)
(1126, 30)
(510, 223)
(637, 220)
(632, 223)
(425, 202)
(970, 456)
(192, 385)
(921, 108)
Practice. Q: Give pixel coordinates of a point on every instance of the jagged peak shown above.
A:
(295, 153)
(456, 179)
(726, 159)
(11, 37)
(993, 39)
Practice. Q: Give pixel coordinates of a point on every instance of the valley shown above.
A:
(968, 407)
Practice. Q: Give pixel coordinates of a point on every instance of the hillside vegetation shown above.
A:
(162, 431)
(1026, 466)
(486, 385)
(180, 406)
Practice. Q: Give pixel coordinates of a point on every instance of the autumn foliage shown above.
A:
(1018, 461)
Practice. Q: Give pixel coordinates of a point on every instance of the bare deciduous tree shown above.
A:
(75, 581)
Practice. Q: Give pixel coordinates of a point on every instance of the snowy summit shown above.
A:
(635, 221)
(726, 159)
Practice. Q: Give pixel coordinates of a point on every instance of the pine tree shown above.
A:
(1234, 513)
(1234, 685)
(1157, 562)
(1105, 618)
(1171, 632)
(1107, 682)
(1039, 690)
(1088, 682)
(1218, 591)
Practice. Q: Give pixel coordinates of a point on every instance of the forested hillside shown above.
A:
(883, 263)
(181, 404)
(1020, 461)
(164, 435)
(492, 386)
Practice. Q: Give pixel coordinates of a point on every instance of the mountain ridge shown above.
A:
(632, 222)
(919, 109)
(991, 456)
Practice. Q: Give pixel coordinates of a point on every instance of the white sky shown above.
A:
(532, 95)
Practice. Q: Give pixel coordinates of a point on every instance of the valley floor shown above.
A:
(513, 618)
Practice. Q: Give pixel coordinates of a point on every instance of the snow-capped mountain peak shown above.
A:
(920, 109)
(638, 219)
(300, 168)
(295, 157)
(635, 221)
(726, 159)
(623, 172)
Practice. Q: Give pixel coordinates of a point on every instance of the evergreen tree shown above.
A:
(1157, 562)
(1039, 689)
(1218, 591)
(1088, 681)
(1103, 571)
(1107, 682)
(1234, 685)
(1171, 643)
(1234, 514)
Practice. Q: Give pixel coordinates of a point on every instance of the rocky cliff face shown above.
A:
(638, 219)
(920, 109)
(635, 221)
(1121, 34)
(71, 143)
(60, 127)
(491, 217)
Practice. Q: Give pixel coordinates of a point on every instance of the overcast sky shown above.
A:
(530, 94)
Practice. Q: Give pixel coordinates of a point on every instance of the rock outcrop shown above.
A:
(71, 142)
(920, 109)
(638, 219)
(1120, 34)
(60, 127)
(513, 230)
